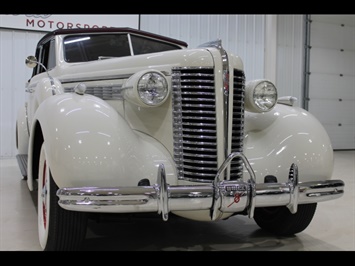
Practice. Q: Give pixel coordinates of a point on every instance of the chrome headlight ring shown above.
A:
(152, 88)
(147, 88)
(261, 96)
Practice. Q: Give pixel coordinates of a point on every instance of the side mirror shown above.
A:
(31, 61)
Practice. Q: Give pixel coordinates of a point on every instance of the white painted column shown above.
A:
(270, 47)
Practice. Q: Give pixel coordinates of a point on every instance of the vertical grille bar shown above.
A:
(238, 123)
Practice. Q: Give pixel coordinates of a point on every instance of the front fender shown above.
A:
(286, 135)
(89, 144)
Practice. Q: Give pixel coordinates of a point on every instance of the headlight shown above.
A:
(146, 88)
(152, 88)
(260, 96)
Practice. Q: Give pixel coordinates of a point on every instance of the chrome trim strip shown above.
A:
(101, 78)
(27, 120)
(91, 78)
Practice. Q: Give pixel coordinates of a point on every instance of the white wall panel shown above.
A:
(327, 86)
(332, 61)
(334, 111)
(332, 35)
(14, 47)
(242, 34)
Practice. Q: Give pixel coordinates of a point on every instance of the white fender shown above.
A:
(89, 144)
(286, 135)
(41, 90)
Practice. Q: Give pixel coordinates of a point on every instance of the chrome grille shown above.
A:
(105, 93)
(194, 123)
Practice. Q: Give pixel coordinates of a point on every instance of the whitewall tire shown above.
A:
(58, 229)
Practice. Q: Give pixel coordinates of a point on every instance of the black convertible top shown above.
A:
(49, 35)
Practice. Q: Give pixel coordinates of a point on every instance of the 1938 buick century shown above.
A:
(124, 121)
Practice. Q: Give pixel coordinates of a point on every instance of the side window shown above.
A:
(45, 54)
(44, 57)
(80, 48)
(142, 45)
(51, 55)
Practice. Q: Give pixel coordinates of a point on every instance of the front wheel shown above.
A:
(58, 229)
(280, 221)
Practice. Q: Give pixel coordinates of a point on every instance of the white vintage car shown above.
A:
(124, 121)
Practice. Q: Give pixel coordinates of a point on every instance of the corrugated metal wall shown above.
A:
(242, 34)
(290, 56)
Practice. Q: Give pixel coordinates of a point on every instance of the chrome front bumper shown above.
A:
(221, 196)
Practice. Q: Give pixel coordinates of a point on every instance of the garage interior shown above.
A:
(312, 57)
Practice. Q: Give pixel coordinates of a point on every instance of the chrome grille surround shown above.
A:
(194, 123)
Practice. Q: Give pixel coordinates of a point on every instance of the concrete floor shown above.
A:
(332, 228)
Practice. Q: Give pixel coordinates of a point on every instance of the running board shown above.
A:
(22, 162)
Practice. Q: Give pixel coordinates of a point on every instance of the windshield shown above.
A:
(83, 48)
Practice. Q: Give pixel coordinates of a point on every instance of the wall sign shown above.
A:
(49, 22)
